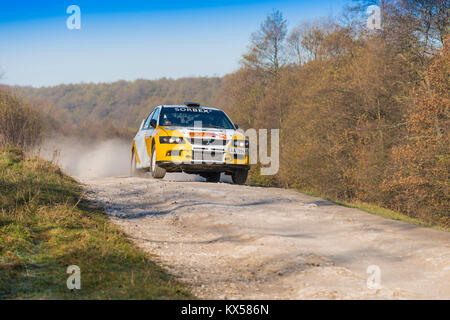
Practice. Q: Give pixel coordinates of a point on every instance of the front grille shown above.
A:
(208, 155)
(208, 141)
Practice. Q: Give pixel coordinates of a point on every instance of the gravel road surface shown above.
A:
(240, 242)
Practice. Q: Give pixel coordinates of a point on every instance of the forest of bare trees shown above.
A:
(363, 114)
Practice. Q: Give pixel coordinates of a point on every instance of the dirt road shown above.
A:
(231, 242)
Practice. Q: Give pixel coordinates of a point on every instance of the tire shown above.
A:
(239, 176)
(156, 171)
(212, 177)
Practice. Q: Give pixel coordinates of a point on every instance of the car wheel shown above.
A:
(157, 171)
(239, 176)
(212, 177)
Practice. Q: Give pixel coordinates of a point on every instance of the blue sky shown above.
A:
(132, 39)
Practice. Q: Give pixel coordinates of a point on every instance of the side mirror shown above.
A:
(236, 126)
(153, 123)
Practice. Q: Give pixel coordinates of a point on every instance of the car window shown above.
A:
(188, 117)
(147, 122)
(156, 115)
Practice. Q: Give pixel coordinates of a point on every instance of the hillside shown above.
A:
(123, 102)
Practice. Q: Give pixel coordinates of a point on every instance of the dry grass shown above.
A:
(46, 225)
(380, 211)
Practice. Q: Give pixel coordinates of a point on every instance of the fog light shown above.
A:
(173, 153)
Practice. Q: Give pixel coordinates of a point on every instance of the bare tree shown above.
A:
(432, 18)
(425, 22)
(305, 40)
(267, 44)
(295, 45)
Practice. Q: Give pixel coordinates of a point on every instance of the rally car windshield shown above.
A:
(194, 117)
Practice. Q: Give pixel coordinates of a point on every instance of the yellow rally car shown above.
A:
(192, 139)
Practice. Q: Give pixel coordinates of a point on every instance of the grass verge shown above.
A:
(46, 225)
(380, 211)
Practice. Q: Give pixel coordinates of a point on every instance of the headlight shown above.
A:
(171, 140)
(240, 143)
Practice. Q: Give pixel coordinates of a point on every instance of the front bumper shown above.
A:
(200, 167)
(205, 158)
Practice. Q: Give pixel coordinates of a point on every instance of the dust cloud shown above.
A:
(109, 158)
(103, 159)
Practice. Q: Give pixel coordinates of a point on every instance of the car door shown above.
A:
(150, 132)
(140, 143)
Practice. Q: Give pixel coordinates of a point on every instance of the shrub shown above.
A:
(20, 125)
